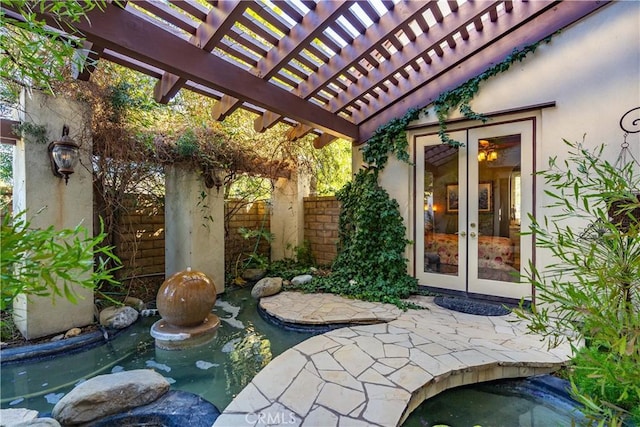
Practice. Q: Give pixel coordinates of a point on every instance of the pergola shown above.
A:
(333, 68)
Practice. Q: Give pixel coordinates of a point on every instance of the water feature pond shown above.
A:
(244, 343)
(529, 402)
(218, 371)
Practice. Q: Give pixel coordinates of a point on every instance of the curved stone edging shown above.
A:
(377, 374)
(82, 342)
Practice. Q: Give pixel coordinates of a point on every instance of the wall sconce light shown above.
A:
(63, 155)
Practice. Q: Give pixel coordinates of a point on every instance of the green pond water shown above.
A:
(217, 371)
(244, 343)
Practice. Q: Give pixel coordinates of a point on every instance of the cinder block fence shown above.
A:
(141, 246)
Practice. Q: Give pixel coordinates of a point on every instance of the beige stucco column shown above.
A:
(287, 214)
(48, 201)
(194, 219)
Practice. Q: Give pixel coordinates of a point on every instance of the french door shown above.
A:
(472, 202)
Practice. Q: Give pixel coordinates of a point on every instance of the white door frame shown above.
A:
(527, 126)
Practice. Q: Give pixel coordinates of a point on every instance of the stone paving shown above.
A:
(376, 374)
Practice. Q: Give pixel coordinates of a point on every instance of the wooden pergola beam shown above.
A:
(296, 132)
(411, 52)
(7, 135)
(224, 107)
(219, 21)
(310, 28)
(266, 121)
(323, 140)
(351, 53)
(553, 19)
(301, 35)
(138, 39)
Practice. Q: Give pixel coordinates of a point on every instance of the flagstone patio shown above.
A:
(376, 374)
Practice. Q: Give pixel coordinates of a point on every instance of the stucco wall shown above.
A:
(590, 70)
(49, 202)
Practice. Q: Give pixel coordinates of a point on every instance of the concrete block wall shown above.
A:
(141, 247)
(321, 216)
(252, 216)
(141, 236)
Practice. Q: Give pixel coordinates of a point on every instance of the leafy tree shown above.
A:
(6, 163)
(32, 55)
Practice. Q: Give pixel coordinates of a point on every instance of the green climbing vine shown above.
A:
(33, 132)
(462, 96)
(391, 137)
(370, 264)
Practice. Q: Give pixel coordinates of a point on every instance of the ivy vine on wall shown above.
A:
(370, 264)
(392, 136)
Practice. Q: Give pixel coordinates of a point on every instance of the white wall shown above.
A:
(591, 70)
(194, 218)
(48, 201)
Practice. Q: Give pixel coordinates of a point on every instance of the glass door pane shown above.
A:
(497, 235)
(441, 208)
(500, 197)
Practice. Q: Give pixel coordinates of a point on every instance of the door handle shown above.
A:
(472, 234)
(472, 225)
(463, 234)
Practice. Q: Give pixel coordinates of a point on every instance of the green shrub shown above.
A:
(592, 290)
(47, 262)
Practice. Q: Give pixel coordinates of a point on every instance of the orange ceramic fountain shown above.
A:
(185, 301)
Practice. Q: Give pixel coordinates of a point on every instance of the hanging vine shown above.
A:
(370, 264)
(391, 137)
(462, 96)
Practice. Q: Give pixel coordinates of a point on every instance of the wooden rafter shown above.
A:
(218, 21)
(311, 25)
(337, 69)
(412, 52)
(542, 25)
(352, 53)
(121, 32)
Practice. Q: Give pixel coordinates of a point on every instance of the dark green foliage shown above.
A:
(389, 139)
(187, 144)
(370, 264)
(124, 97)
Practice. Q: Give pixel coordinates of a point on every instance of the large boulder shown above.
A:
(38, 422)
(267, 287)
(109, 394)
(118, 317)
